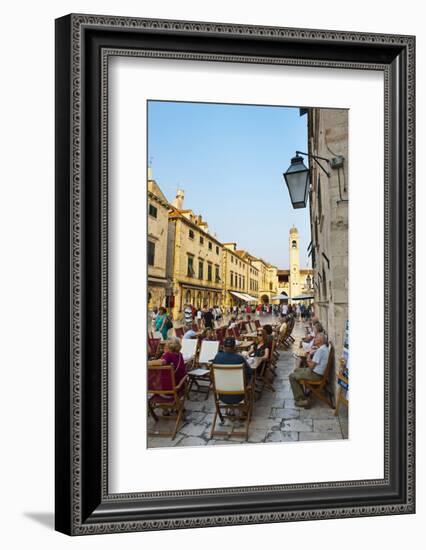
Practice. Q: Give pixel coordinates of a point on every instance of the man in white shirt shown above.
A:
(187, 312)
(190, 334)
(315, 369)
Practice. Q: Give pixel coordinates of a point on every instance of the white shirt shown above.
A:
(189, 334)
(320, 358)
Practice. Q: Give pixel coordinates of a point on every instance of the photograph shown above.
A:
(247, 274)
(234, 220)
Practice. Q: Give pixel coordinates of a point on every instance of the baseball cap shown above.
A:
(229, 342)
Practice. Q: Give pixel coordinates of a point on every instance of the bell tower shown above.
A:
(294, 259)
(178, 200)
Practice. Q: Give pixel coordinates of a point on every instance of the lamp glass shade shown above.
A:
(297, 180)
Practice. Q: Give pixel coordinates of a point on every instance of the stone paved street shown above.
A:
(275, 417)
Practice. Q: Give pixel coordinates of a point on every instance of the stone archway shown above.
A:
(265, 299)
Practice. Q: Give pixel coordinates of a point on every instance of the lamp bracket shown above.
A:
(316, 157)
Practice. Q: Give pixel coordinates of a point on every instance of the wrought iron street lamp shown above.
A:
(297, 180)
(297, 177)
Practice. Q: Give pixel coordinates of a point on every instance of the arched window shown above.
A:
(293, 244)
(308, 281)
(188, 297)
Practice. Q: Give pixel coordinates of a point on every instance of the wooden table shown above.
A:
(243, 346)
(256, 363)
(250, 335)
(300, 352)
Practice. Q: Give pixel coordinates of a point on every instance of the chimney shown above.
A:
(178, 201)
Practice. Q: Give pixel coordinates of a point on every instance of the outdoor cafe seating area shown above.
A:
(206, 380)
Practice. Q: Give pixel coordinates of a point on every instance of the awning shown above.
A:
(244, 297)
(250, 298)
(280, 297)
(302, 297)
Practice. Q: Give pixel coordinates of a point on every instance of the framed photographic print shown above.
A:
(234, 274)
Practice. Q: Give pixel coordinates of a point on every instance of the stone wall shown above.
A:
(328, 138)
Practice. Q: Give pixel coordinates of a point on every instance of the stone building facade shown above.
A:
(268, 280)
(158, 213)
(239, 275)
(187, 264)
(194, 260)
(328, 137)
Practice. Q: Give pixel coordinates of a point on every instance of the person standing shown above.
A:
(208, 318)
(199, 315)
(218, 313)
(154, 314)
(187, 315)
(163, 323)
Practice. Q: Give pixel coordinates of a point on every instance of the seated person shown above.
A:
(269, 333)
(261, 348)
(314, 370)
(208, 334)
(230, 357)
(171, 356)
(307, 342)
(232, 323)
(190, 334)
(308, 348)
(310, 332)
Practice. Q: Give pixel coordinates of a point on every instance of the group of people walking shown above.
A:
(207, 318)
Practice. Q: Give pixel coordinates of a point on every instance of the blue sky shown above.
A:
(229, 160)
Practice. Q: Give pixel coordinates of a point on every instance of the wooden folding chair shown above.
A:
(219, 336)
(257, 324)
(153, 347)
(179, 332)
(231, 380)
(163, 393)
(231, 332)
(189, 351)
(282, 338)
(318, 388)
(265, 372)
(291, 326)
(200, 375)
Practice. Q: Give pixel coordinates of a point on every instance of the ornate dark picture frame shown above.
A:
(84, 44)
